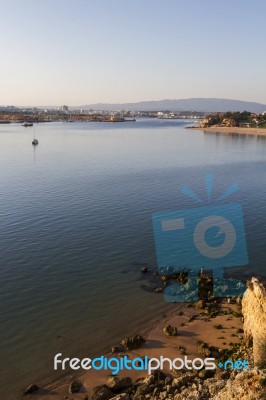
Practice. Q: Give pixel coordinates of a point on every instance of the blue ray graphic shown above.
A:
(232, 189)
(209, 182)
(189, 192)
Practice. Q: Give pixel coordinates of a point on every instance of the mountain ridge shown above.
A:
(191, 104)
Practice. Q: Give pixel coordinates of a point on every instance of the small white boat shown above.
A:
(35, 141)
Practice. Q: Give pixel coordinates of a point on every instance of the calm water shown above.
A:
(75, 216)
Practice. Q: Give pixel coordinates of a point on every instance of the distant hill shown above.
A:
(197, 104)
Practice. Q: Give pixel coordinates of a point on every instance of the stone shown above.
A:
(149, 380)
(144, 270)
(159, 375)
(183, 380)
(31, 388)
(204, 350)
(206, 373)
(200, 304)
(133, 342)
(74, 387)
(101, 392)
(117, 349)
(170, 330)
(143, 389)
(116, 383)
(122, 396)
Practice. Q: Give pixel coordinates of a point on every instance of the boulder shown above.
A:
(74, 387)
(144, 389)
(133, 342)
(170, 330)
(116, 383)
(101, 392)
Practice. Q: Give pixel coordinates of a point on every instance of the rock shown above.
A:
(206, 373)
(31, 388)
(116, 383)
(170, 330)
(168, 380)
(101, 392)
(149, 380)
(254, 311)
(239, 300)
(143, 389)
(204, 350)
(242, 386)
(183, 380)
(159, 375)
(133, 342)
(117, 349)
(122, 396)
(200, 304)
(144, 270)
(214, 385)
(74, 387)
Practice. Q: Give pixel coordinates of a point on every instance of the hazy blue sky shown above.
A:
(78, 52)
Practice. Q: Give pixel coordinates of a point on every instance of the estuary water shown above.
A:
(76, 226)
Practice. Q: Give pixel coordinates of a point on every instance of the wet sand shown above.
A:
(200, 328)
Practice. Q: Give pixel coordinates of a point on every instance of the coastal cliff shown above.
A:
(254, 312)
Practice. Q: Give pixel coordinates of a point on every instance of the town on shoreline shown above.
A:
(66, 114)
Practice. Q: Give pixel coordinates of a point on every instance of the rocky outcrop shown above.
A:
(208, 121)
(254, 312)
(245, 385)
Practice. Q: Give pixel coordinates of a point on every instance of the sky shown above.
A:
(56, 52)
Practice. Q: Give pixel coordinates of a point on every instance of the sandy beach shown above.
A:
(234, 130)
(193, 325)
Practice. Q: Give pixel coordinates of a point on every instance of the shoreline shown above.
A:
(193, 325)
(233, 130)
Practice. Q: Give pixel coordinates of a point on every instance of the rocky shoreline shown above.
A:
(211, 328)
(232, 130)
